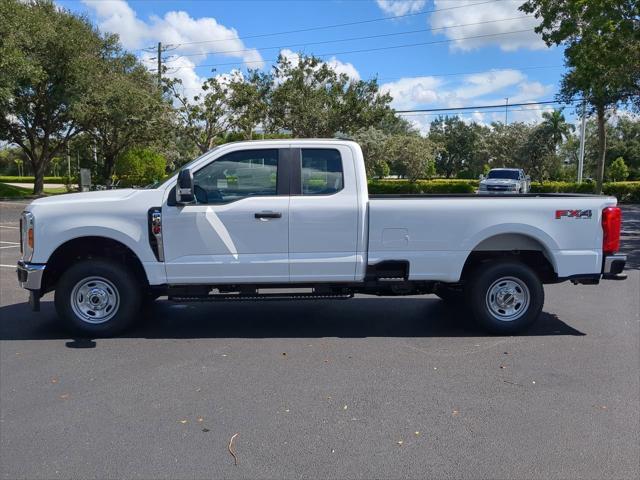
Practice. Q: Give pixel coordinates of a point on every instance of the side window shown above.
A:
(237, 175)
(321, 170)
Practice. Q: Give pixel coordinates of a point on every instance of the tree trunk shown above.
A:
(109, 165)
(602, 148)
(38, 164)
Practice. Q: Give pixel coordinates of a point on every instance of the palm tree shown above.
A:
(555, 126)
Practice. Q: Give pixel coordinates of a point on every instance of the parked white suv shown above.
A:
(505, 180)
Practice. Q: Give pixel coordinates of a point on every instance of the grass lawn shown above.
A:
(19, 192)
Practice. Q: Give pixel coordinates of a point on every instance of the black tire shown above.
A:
(496, 289)
(105, 280)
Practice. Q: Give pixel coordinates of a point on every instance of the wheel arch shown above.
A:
(87, 247)
(516, 245)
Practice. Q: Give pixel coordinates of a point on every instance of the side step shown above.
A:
(261, 297)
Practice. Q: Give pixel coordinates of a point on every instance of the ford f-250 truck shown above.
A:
(252, 220)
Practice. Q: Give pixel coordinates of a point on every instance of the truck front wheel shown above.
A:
(505, 297)
(96, 298)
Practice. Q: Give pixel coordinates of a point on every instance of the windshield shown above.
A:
(186, 165)
(510, 174)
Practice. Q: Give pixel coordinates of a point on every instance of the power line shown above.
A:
(480, 107)
(364, 50)
(473, 113)
(277, 47)
(337, 25)
(453, 74)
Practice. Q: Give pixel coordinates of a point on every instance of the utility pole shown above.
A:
(506, 111)
(159, 64)
(583, 128)
(68, 163)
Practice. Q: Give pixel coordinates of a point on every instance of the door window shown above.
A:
(238, 175)
(321, 171)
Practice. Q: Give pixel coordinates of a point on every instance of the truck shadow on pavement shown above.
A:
(356, 318)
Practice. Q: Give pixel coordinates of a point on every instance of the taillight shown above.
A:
(611, 223)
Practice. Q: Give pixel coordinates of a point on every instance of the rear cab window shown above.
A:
(321, 171)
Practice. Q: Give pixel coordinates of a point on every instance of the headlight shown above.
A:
(27, 240)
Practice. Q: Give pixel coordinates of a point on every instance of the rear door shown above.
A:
(323, 214)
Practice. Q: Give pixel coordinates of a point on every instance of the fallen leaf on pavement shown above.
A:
(200, 419)
(344, 408)
(64, 396)
(400, 442)
(54, 379)
(183, 421)
(232, 450)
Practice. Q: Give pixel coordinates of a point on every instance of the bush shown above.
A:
(16, 179)
(399, 187)
(140, 166)
(623, 191)
(562, 187)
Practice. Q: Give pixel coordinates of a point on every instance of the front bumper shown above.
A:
(30, 275)
(612, 267)
(497, 192)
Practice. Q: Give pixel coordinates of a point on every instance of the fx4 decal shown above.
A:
(584, 214)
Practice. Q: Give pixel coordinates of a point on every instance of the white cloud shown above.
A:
(413, 91)
(340, 67)
(446, 20)
(401, 7)
(486, 88)
(174, 28)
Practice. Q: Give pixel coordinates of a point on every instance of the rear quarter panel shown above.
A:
(437, 234)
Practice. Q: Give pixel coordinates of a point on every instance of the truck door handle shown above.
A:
(262, 215)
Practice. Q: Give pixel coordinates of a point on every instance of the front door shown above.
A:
(238, 229)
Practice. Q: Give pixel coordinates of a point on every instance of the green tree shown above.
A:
(602, 53)
(310, 99)
(49, 65)
(375, 149)
(503, 143)
(249, 101)
(140, 166)
(127, 110)
(618, 171)
(556, 127)
(456, 144)
(412, 156)
(203, 119)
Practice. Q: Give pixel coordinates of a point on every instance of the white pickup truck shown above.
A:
(292, 219)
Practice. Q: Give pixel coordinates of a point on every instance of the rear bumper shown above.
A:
(613, 266)
(30, 275)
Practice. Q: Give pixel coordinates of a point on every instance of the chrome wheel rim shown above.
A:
(95, 300)
(508, 299)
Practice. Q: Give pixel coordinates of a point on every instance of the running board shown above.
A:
(260, 297)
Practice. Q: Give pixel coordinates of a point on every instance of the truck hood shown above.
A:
(88, 197)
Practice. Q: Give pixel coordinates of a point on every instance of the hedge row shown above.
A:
(16, 179)
(421, 186)
(624, 191)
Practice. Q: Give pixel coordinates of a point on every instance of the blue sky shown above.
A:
(455, 71)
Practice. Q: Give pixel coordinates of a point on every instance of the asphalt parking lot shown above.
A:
(364, 388)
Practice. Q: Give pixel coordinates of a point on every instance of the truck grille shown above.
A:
(498, 188)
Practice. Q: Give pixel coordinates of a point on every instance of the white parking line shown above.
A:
(7, 266)
(9, 246)
(12, 228)
(10, 243)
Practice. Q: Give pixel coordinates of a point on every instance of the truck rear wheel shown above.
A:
(96, 298)
(505, 297)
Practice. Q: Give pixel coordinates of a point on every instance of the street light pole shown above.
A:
(583, 127)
